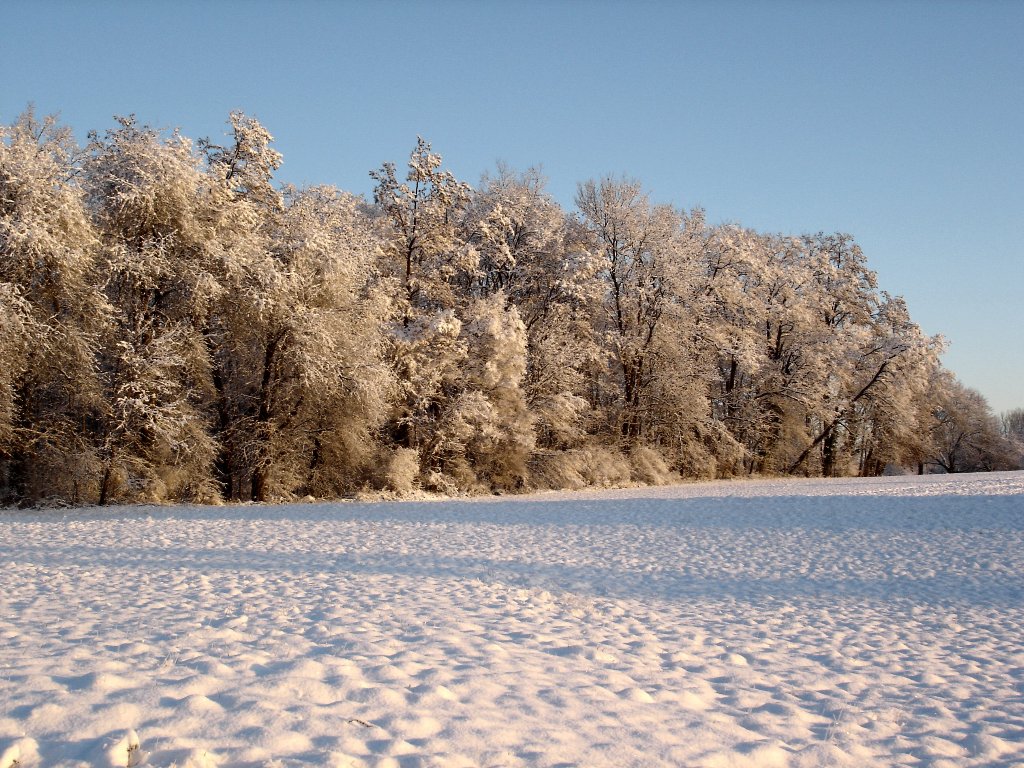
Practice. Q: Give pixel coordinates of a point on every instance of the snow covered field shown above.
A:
(797, 623)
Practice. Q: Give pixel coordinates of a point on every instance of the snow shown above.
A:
(760, 623)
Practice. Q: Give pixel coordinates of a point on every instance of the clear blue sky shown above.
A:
(901, 123)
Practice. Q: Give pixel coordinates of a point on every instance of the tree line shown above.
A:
(174, 325)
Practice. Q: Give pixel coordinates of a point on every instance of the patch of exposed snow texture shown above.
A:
(778, 623)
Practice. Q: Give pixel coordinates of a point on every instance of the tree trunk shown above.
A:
(828, 454)
(222, 464)
(261, 470)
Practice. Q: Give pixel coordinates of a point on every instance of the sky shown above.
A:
(900, 123)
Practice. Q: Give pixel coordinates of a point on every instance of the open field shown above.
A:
(796, 623)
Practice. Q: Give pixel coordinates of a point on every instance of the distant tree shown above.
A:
(966, 436)
(1012, 423)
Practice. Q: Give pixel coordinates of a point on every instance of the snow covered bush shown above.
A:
(649, 467)
(591, 465)
(556, 469)
(605, 466)
(403, 469)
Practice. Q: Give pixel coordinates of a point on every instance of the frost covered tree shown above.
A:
(1012, 423)
(485, 434)
(427, 255)
(870, 351)
(156, 212)
(426, 259)
(635, 241)
(294, 337)
(966, 436)
(175, 325)
(876, 422)
(757, 329)
(650, 325)
(457, 344)
(818, 371)
(246, 165)
(536, 258)
(53, 318)
(299, 375)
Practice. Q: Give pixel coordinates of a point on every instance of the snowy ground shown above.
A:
(802, 623)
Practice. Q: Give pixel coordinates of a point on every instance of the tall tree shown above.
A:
(538, 259)
(295, 337)
(301, 353)
(637, 242)
(53, 318)
(155, 211)
(427, 259)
